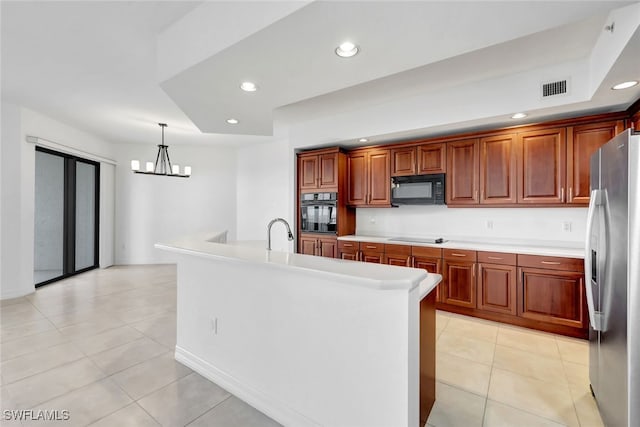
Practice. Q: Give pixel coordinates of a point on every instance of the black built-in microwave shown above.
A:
(418, 190)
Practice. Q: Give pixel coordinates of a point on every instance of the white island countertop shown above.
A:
(213, 245)
(524, 247)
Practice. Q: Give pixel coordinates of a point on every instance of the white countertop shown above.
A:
(373, 276)
(525, 247)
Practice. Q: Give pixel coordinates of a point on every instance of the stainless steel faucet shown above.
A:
(273, 221)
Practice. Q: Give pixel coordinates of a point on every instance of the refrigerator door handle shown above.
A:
(594, 318)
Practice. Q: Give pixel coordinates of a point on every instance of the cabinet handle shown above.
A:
(473, 271)
(562, 194)
(348, 245)
(371, 247)
(550, 262)
(482, 194)
(494, 257)
(476, 194)
(570, 194)
(457, 254)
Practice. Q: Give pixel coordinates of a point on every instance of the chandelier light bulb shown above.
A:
(135, 165)
(175, 169)
(187, 170)
(149, 167)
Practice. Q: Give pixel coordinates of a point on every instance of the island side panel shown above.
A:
(303, 348)
(427, 355)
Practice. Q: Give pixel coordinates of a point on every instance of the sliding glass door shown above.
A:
(66, 215)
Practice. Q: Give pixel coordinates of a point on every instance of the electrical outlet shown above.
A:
(489, 225)
(566, 226)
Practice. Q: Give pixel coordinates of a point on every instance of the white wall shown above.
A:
(152, 209)
(265, 191)
(18, 189)
(471, 223)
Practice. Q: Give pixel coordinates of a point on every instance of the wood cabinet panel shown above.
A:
(582, 142)
(497, 258)
(357, 178)
(397, 259)
(541, 166)
(308, 245)
(551, 263)
(459, 255)
(432, 265)
(350, 255)
(403, 161)
(426, 251)
(460, 283)
(308, 172)
(497, 288)
(462, 172)
(348, 245)
(375, 257)
(498, 170)
(328, 171)
(379, 178)
(552, 296)
(432, 158)
(328, 247)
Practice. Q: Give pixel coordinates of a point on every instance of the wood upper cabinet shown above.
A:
(498, 174)
(541, 166)
(582, 142)
(310, 244)
(459, 278)
(497, 282)
(369, 180)
(420, 160)
(462, 172)
(318, 172)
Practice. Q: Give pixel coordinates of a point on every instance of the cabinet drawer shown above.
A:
(371, 247)
(551, 263)
(397, 250)
(347, 245)
(459, 255)
(424, 251)
(497, 258)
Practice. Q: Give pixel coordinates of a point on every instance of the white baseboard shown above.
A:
(270, 406)
(14, 293)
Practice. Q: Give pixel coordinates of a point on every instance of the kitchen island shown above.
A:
(307, 340)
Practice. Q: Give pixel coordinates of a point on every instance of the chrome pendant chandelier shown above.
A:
(163, 164)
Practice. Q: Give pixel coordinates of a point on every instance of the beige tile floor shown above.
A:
(100, 345)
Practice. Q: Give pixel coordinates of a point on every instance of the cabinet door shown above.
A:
(379, 178)
(460, 281)
(498, 170)
(497, 288)
(328, 247)
(403, 161)
(432, 158)
(308, 172)
(552, 296)
(357, 178)
(582, 142)
(308, 245)
(328, 171)
(432, 265)
(462, 172)
(348, 254)
(541, 166)
(399, 260)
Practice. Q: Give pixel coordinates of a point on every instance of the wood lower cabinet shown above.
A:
(326, 246)
(582, 142)
(348, 250)
(399, 255)
(552, 296)
(459, 278)
(462, 172)
(429, 259)
(497, 282)
(542, 166)
(372, 252)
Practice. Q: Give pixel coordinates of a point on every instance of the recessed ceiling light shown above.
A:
(232, 121)
(625, 85)
(248, 87)
(346, 50)
(363, 140)
(519, 116)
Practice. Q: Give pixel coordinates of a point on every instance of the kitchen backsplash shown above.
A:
(549, 224)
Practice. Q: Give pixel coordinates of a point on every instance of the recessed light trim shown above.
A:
(519, 116)
(232, 121)
(248, 86)
(363, 140)
(347, 50)
(625, 85)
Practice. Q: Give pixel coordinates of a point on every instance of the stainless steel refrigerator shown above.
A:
(612, 270)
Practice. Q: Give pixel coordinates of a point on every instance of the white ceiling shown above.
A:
(95, 66)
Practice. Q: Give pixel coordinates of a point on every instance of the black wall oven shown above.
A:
(318, 212)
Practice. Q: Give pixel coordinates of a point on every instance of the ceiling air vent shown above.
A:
(554, 88)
